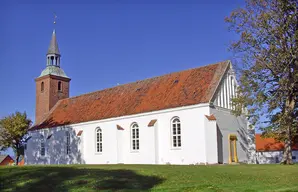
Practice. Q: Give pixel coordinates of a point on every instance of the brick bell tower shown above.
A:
(52, 84)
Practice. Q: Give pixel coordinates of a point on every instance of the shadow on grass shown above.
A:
(65, 178)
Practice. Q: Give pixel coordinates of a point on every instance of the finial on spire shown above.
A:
(55, 17)
(53, 54)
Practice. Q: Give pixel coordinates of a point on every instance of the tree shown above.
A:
(13, 132)
(267, 51)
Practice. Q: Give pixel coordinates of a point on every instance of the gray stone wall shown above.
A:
(230, 124)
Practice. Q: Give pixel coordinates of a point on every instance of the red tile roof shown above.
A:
(177, 89)
(270, 144)
(6, 160)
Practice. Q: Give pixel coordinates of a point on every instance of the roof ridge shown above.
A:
(150, 78)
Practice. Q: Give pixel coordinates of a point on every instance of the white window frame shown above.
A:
(98, 140)
(67, 134)
(135, 137)
(176, 133)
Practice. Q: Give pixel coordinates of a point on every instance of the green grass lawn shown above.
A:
(150, 178)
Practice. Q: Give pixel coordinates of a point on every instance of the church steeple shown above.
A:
(53, 59)
(53, 55)
(52, 85)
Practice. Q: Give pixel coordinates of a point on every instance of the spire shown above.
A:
(53, 58)
(53, 48)
(53, 54)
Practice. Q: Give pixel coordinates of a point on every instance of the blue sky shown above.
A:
(106, 42)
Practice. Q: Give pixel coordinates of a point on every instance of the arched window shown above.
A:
(176, 132)
(42, 146)
(98, 140)
(42, 87)
(135, 143)
(59, 86)
(67, 135)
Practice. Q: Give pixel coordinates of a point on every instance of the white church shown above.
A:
(178, 118)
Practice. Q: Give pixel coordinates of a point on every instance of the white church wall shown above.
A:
(117, 143)
(192, 150)
(120, 141)
(145, 153)
(55, 146)
(211, 141)
(32, 150)
(109, 143)
(156, 144)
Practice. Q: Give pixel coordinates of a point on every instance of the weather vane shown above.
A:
(55, 17)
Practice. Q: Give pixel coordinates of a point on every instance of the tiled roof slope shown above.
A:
(270, 144)
(177, 89)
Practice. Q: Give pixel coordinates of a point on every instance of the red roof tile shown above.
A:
(270, 144)
(177, 89)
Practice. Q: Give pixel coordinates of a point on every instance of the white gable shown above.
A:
(226, 90)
